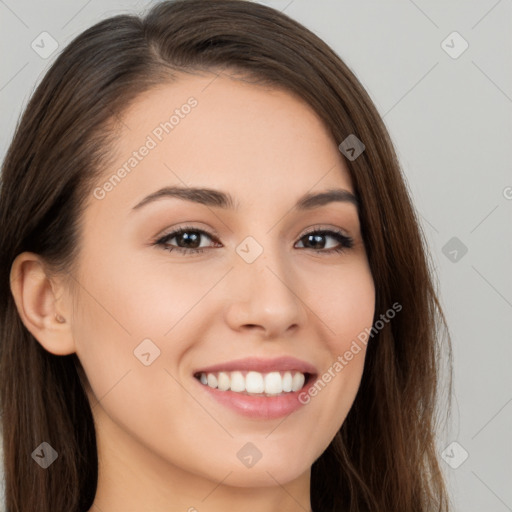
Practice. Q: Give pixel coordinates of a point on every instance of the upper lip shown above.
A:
(261, 365)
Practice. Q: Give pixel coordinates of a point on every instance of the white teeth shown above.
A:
(297, 381)
(212, 380)
(237, 382)
(254, 383)
(272, 383)
(223, 381)
(287, 382)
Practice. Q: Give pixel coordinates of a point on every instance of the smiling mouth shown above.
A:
(254, 383)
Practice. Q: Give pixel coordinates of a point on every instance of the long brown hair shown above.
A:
(384, 456)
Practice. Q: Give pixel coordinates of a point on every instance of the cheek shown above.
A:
(117, 326)
(128, 310)
(345, 302)
(343, 298)
(127, 302)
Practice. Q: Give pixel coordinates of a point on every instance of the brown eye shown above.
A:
(316, 240)
(188, 240)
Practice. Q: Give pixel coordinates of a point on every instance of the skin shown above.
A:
(163, 444)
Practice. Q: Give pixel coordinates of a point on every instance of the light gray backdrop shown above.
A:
(448, 109)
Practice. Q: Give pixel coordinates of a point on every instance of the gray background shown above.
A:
(450, 120)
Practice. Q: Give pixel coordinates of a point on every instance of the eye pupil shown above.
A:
(317, 240)
(194, 237)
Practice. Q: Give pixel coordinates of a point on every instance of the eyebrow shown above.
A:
(219, 199)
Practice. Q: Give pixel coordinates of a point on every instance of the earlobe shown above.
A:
(38, 306)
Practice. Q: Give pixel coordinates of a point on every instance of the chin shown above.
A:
(264, 473)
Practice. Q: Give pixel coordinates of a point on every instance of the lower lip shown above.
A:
(261, 407)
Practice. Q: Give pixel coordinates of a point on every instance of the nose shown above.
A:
(264, 296)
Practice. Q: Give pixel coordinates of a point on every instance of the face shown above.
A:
(252, 294)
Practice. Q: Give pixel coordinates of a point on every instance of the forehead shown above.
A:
(262, 144)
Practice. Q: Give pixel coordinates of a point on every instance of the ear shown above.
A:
(39, 304)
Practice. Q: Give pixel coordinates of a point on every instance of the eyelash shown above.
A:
(345, 241)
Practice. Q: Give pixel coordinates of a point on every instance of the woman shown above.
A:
(216, 294)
